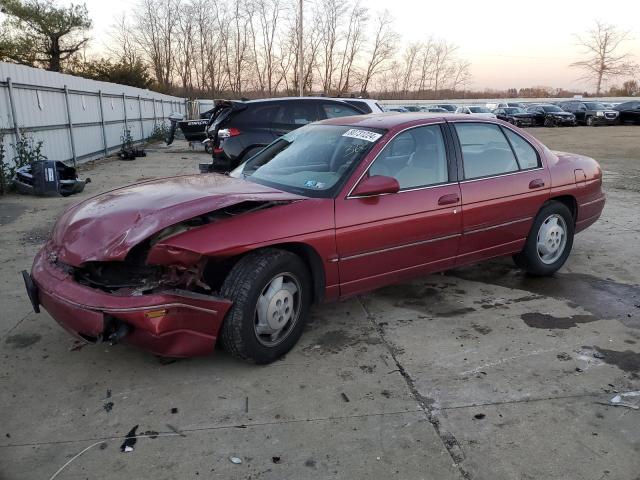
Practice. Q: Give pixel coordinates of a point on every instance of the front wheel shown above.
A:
(589, 122)
(271, 294)
(549, 242)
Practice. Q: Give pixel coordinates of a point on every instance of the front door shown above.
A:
(388, 238)
(504, 185)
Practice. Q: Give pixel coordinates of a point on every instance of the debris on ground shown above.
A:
(276, 459)
(344, 397)
(108, 407)
(151, 434)
(174, 410)
(618, 400)
(479, 416)
(48, 178)
(129, 441)
(128, 151)
(235, 460)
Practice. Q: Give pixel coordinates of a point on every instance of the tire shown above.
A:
(589, 122)
(548, 122)
(249, 280)
(530, 258)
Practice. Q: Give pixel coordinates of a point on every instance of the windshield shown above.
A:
(595, 106)
(479, 110)
(312, 161)
(552, 108)
(512, 110)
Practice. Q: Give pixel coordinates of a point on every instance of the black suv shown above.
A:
(551, 115)
(239, 130)
(629, 112)
(516, 116)
(590, 113)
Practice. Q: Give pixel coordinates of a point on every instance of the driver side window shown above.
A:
(415, 158)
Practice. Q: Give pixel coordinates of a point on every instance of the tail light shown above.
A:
(228, 132)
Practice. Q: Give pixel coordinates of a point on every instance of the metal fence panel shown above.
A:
(74, 117)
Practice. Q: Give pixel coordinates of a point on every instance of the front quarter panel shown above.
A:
(309, 222)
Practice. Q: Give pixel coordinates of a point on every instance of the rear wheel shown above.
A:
(271, 294)
(548, 122)
(549, 242)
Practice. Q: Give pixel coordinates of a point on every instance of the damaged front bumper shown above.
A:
(171, 323)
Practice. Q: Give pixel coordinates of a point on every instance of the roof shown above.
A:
(391, 120)
(279, 99)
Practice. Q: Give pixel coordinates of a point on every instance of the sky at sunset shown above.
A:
(509, 43)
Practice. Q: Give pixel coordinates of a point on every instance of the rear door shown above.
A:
(504, 184)
(337, 109)
(387, 238)
(295, 114)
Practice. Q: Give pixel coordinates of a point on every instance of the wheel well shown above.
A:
(570, 203)
(314, 263)
(217, 270)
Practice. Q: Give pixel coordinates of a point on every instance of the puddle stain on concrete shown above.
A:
(548, 321)
(23, 340)
(432, 299)
(10, 212)
(334, 341)
(626, 360)
(602, 297)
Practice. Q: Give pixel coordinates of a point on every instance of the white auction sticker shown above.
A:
(362, 134)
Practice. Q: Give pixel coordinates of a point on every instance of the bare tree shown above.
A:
(353, 42)
(332, 11)
(459, 74)
(123, 45)
(156, 25)
(382, 49)
(426, 65)
(603, 60)
(409, 59)
(442, 56)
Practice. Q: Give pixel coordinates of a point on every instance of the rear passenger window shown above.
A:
(297, 113)
(257, 113)
(335, 110)
(527, 156)
(416, 158)
(485, 150)
(361, 105)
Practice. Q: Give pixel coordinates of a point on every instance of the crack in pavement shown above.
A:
(11, 329)
(448, 439)
(526, 400)
(220, 427)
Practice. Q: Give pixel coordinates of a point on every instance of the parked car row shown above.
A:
(234, 131)
(562, 113)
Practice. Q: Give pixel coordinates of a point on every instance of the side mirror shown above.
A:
(376, 185)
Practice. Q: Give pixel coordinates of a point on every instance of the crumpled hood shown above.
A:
(106, 227)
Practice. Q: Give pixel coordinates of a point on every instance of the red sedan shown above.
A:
(330, 210)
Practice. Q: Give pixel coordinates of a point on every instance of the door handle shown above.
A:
(537, 183)
(449, 199)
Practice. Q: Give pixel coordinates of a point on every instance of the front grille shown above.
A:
(112, 276)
